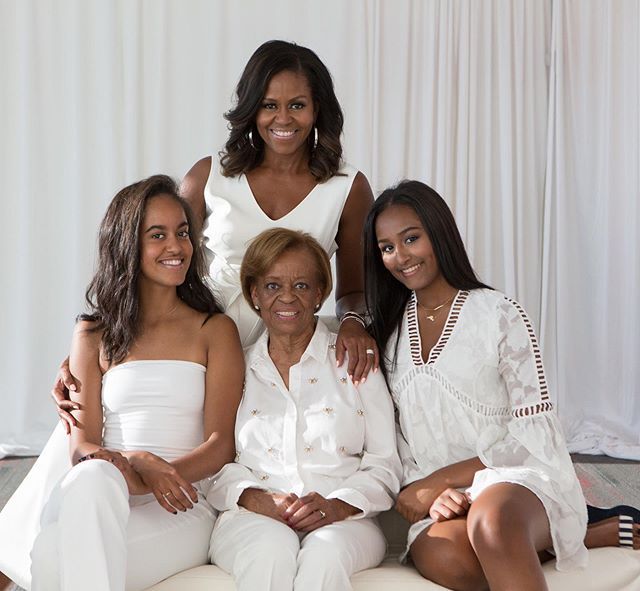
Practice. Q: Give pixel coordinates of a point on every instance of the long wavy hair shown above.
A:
(385, 296)
(112, 295)
(271, 58)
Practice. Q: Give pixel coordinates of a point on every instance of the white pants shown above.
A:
(20, 518)
(93, 537)
(264, 554)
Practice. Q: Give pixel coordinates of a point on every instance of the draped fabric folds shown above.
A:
(591, 276)
(524, 115)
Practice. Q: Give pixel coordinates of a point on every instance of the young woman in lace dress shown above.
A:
(488, 484)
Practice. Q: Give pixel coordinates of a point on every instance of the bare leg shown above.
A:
(444, 555)
(5, 582)
(507, 527)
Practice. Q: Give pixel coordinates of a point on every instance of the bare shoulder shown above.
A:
(85, 348)
(193, 186)
(359, 200)
(361, 185)
(220, 329)
(196, 178)
(87, 333)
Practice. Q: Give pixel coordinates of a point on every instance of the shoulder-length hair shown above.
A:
(239, 155)
(385, 296)
(112, 295)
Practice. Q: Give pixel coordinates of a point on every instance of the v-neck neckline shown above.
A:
(415, 341)
(264, 213)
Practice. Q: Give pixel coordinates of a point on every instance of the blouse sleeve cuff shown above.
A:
(355, 499)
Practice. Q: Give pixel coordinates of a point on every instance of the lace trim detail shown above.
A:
(412, 330)
(542, 380)
(454, 314)
(532, 409)
(414, 334)
(428, 370)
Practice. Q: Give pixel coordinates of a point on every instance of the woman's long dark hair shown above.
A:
(271, 58)
(385, 296)
(112, 296)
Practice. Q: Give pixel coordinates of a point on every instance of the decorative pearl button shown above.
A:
(308, 448)
(255, 412)
(360, 412)
(328, 410)
(313, 380)
(343, 380)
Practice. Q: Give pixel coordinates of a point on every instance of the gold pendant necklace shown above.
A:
(434, 311)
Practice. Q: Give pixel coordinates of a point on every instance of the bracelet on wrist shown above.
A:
(353, 316)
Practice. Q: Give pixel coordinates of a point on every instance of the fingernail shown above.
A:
(375, 370)
(72, 387)
(363, 380)
(175, 512)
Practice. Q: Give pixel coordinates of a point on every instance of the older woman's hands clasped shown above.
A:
(304, 514)
(313, 511)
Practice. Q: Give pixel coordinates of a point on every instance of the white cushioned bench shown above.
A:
(609, 569)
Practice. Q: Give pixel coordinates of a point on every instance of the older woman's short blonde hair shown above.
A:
(268, 246)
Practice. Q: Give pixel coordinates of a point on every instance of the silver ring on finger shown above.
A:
(322, 514)
(370, 352)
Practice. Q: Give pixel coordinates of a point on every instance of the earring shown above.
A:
(317, 307)
(251, 138)
(256, 308)
(315, 138)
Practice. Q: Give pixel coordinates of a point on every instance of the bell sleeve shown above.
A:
(530, 448)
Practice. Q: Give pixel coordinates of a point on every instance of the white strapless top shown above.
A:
(154, 405)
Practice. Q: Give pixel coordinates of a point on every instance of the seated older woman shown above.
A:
(316, 457)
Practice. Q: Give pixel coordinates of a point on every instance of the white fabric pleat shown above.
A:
(591, 287)
(98, 93)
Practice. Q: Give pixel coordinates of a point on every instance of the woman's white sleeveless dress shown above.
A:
(234, 218)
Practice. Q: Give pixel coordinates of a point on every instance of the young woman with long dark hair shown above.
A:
(488, 484)
(161, 372)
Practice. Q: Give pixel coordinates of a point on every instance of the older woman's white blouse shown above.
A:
(482, 392)
(322, 434)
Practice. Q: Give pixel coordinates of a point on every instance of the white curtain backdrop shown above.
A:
(591, 279)
(95, 94)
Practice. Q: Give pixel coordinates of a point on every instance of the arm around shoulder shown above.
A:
(84, 363)
(350, 275)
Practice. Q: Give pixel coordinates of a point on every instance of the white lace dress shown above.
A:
(482, 392)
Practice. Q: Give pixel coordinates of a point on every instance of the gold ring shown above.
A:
(370, 352)
(322, 514)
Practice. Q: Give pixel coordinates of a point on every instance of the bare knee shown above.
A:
(449, 562)
(501, 526)
(491, 527)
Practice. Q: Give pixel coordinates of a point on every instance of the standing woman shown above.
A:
(282, 167)
(488, 482)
